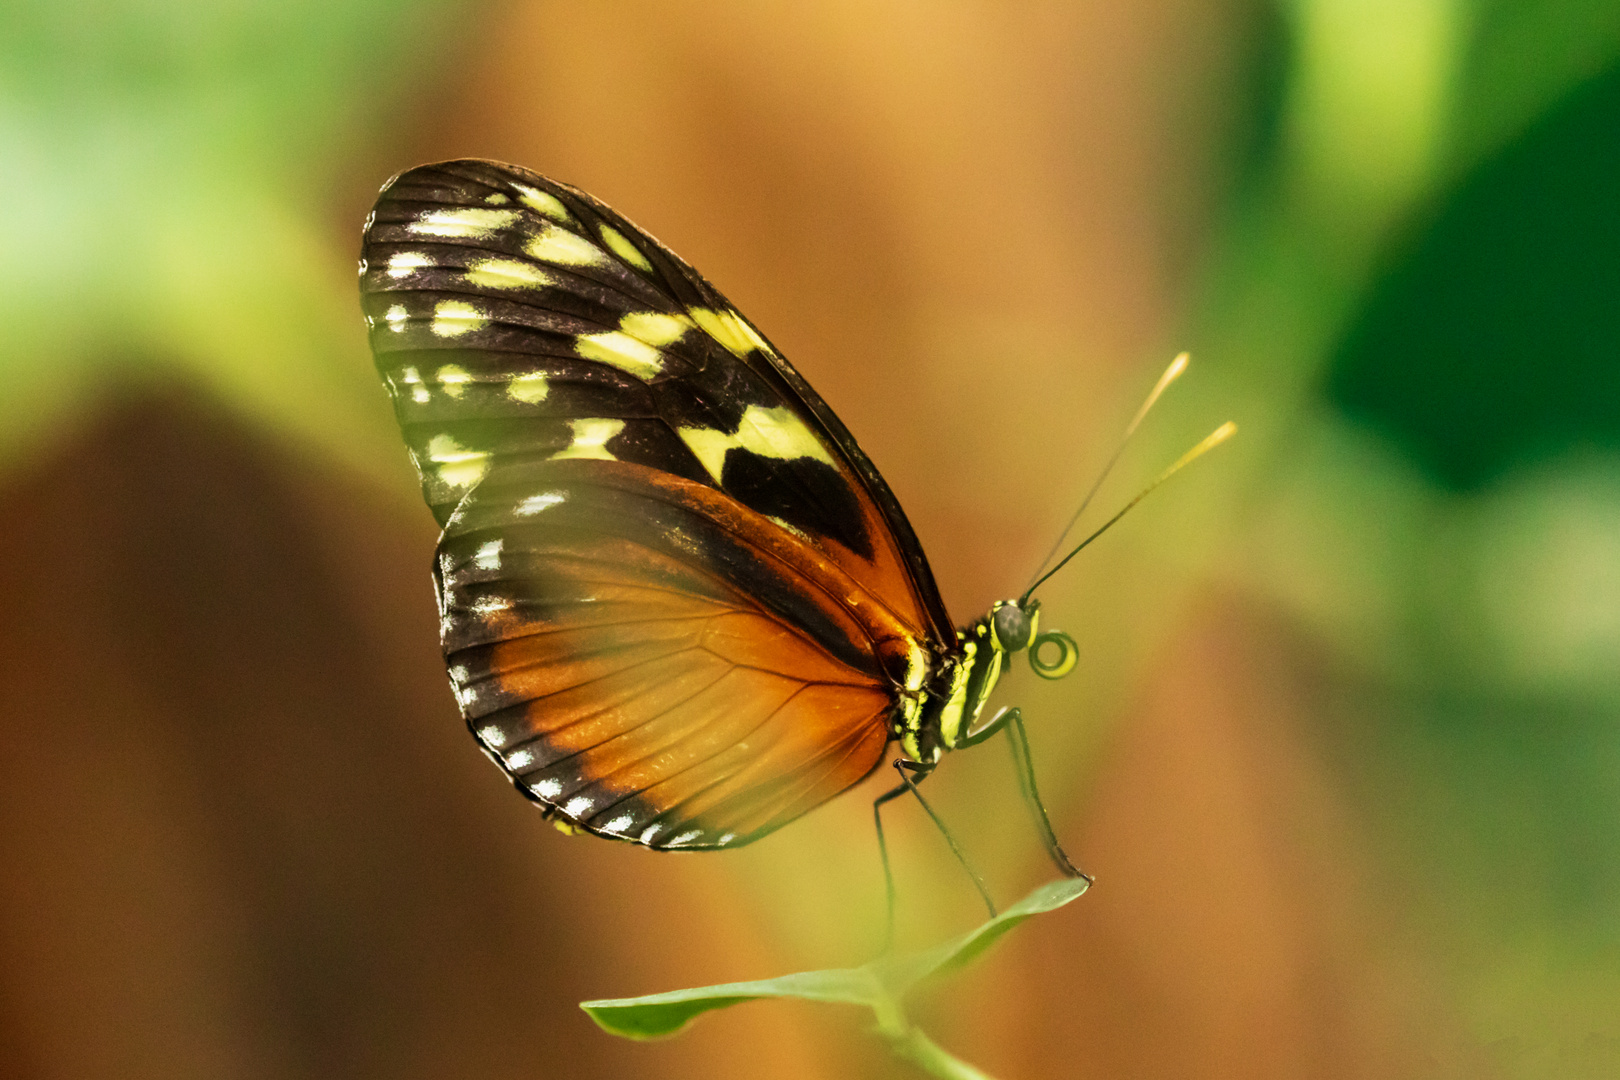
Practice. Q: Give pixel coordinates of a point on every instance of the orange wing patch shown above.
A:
(623, 670)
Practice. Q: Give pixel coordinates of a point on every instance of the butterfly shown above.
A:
(678, 604)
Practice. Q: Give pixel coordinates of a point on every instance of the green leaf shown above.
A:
(879, 986)
(656, 1015)
(899, 973)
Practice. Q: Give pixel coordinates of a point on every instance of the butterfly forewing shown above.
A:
(679, 605)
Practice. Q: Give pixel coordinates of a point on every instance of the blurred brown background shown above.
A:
(1342, 748)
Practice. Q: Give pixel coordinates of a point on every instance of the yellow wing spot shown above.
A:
(730, 330)
(544, 202)
(462, 221)
(396, 317)
(458, 466)
(916, 666)
(496, 199)
(529, 389)
(564, 248)
(454, 379)
(749, 332)
(624, 352)
(405, 262)
(410, 377)
(624, 249)
(654, 327)
(507, 274)
(452, 318)
(590, 439)
(770, 433)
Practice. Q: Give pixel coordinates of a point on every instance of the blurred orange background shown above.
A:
(1342, 751)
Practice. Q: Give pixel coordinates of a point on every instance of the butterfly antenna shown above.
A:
(1210, 442)
(1171, 374)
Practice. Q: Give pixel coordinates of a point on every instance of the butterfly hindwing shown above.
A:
(634, 654)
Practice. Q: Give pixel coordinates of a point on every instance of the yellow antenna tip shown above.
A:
(1171, 374)
(1209, 442)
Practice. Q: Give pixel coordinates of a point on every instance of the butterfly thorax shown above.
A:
(955, 696)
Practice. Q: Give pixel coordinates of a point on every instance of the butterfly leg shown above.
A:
(883, 851)
(1018, 740)
(905, 769)
(908, 783)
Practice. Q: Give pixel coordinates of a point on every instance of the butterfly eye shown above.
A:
(1013, 626)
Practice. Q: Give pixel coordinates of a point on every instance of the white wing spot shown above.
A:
(492, 736)
(730, 330)
(685, 838)
(590, 439)
(649, 832)
(577, 805)
(654, 327)
(520, 759)
(452, 318)
(530, 389)
(770, 433)
(536, 503)
(490, 605)
(496, 199)
(488, 556)
(405, 262)
(790, 527)
(546, 203)
(726, 839)
(619, 824)
(454, 379)
(546, 789)
(396, 317)
(457, 466)
(628, 354)
(462, 221)
(624, 249)
(564, 248)
(507, 274)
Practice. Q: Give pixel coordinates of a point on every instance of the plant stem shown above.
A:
(910, 1043)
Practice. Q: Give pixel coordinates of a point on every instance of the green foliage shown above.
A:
(880, 986)
(1492, 339)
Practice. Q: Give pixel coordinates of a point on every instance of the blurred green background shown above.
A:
(1344, 751)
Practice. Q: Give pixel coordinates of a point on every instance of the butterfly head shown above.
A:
(1013, 623)
(987, 644)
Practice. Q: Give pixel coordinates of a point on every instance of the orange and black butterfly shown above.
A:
(679, 606)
